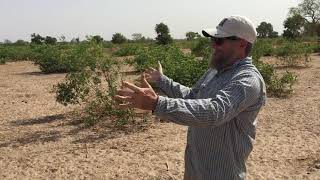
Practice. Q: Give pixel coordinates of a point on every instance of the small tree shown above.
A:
(265, 30)
(310, 11)
(293, 26)
(7, 41)
(62, 38)
(98, 39)
(118, 38)
(75, 40)
(37, 39)
(50, 40)
(138, 37)
(163, 36)
(192, 35)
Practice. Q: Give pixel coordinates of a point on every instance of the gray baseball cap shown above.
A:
(238, 26)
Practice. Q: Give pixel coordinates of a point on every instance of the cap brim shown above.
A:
(208, 32)
(215, 33)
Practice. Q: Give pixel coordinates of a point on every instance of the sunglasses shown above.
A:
(220, 41)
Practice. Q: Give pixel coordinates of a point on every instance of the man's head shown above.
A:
(232, 40)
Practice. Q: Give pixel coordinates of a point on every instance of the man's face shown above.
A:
(225, 52)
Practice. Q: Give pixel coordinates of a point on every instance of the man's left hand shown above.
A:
(133, 96)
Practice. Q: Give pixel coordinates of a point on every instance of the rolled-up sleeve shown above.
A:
(243, 91)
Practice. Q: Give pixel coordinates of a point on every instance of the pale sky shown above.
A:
(78, 18)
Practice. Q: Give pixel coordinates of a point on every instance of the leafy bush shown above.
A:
(281, 86)
(185, 69)
(68, 58)
(107, 44)
(266, 70)
(95, 88)
(292, 53)
(16, 52)
(201, 48)
(314, 47)
(276, 86)
(128, 50)
(263, 47)
(184, 44)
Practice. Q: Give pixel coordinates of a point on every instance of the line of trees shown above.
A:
(303, 20)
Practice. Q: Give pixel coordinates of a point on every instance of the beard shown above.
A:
(220, 60)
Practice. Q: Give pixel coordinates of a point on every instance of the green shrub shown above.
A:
(185, 69)
(279, 41)
(263, 47)
(107, 44)
(266, 70)
(14, 52)
(184, 44)
(202, 48)
(313, 47)
(128, 50)
(281, 86)
(95, 88)
(276, 86)
(309, 39)
(293, 53)
(68, 58)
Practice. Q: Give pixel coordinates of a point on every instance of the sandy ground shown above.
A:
(38, 141)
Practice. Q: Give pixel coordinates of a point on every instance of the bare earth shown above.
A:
(38, 141)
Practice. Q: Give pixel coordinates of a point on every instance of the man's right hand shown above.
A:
(153, 75)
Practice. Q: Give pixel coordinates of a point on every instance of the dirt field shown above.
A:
(38, 141)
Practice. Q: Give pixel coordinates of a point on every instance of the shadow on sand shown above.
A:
(79, 132)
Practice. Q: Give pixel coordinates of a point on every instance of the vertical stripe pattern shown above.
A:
(220, 112)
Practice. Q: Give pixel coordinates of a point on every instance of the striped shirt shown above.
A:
(221, 114)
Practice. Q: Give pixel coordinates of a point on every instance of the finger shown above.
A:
(132, 86)
(143, 79)
(160, 67)
(125, 92)
(150, 69)
(144, 82)
(123, 98)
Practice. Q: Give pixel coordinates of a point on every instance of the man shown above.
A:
(220, 110)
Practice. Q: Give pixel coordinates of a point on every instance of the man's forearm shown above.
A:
(173, 89)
